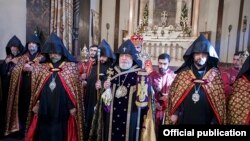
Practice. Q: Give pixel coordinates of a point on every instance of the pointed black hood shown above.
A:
(14, 41)
(107, 51)
(128, 48)
(33, 38)
(201, 44)
(54, 44)
(245, 69)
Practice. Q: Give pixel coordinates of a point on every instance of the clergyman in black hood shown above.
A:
(122, 111)
(56, 111)
(197, 93)
(20, 86)
(14, 49)
(94, 85)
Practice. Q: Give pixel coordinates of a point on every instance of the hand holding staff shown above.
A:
(98, 70)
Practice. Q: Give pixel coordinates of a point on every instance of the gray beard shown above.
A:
(199, 65)
(32, 52)
(14, 53)
(54, 60)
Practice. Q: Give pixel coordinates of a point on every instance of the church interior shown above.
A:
(166, 25)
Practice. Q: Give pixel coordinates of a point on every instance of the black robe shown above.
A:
(52, 118)
(6, 74)
(6, 70)
(200, 108)
(90, 99)
(53, 122)
(24, 97)
(121, 121)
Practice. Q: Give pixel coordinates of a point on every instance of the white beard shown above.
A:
(125, 66)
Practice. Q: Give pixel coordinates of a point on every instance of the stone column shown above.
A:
(150, 9)
(131, 17)
(178, 11)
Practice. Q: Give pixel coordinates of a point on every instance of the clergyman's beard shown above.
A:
(237, 67)
(125, 66)
(102, 61)
(162, 71)
(54, 60)
(14, 53)
(32, 51)
(92, 56)
(200, 62)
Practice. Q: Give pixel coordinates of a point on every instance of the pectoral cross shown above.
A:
(110, 72)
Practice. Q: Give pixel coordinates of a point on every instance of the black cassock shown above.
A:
(53, 112)
(90, 99)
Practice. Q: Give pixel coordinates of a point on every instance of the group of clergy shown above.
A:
(49, 95)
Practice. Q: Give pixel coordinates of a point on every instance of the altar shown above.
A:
(166, 40)
(166, 27)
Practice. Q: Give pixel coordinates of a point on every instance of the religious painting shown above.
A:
(38, 21)
(95, 30)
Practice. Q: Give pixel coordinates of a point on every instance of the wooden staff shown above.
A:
(143, 56)
(98, 71)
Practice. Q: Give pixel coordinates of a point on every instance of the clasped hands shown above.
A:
(106, 85)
